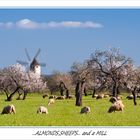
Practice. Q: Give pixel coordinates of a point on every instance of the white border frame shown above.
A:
(69, 3)
(25, 133)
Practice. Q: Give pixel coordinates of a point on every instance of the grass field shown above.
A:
(65, 113)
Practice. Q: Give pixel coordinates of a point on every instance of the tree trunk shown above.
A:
(62, 88)
(79, 99)
(79, 94)
(114, 90)
(94, 92)
(67, 94)
(118, 90)
(61, 92)
(19, 96)
(25, 94)
(83, 88)
(12, 94)
(134, 97)
(85, 91)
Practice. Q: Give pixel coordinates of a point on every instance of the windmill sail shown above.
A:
(37, 53)
(22, 62)
(27, 54)
(42, 64)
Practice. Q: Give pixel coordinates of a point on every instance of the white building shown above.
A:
(35, 67)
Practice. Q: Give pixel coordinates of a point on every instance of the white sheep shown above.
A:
(117, 106)
(42, 110)
(100, 96)
(45, 95)
(51, 101)
(71, 96)
(95, 96)
(106, 96)
(85, 110)
(60, 98)
(129, 97)
(52, 97)
(9, 109)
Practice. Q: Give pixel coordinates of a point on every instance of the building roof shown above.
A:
(34, 63)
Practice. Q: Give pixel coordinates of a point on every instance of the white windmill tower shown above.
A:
(33, 64)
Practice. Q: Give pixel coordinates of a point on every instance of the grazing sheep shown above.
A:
(85, 110)
(42, 110)
(138, 96)
(94, 96)
(51, 101)
(9, 109)
(71, 96)
(117, 106)
(60, 98)
(52, 97)
(100, 96)
(129, 97)
(106, 96)
(45, 95)
(113, 99)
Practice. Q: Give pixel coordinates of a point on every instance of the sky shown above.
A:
(66, 36)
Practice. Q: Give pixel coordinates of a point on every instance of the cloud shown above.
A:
(74, 24)
(29, 24)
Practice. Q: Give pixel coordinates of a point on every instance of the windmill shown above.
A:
(32, 64)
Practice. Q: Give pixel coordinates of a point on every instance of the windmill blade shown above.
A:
(22, 62)
(27, 54)
(42, 64)
(37, 53)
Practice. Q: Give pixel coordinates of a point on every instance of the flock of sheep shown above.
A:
(117, 105)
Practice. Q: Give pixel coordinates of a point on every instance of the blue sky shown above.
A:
(67, 35)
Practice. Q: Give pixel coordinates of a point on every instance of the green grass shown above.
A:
(65, 113)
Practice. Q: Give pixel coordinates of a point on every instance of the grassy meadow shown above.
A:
(65, 113)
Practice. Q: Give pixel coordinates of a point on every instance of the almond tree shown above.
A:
(110, 63)
(132, 80)
(97, 80)
(15, 79)
(60, 82)
(80, 75)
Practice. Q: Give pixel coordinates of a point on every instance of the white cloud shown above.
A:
(73, 24)
(29, 24)
(90, 24)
